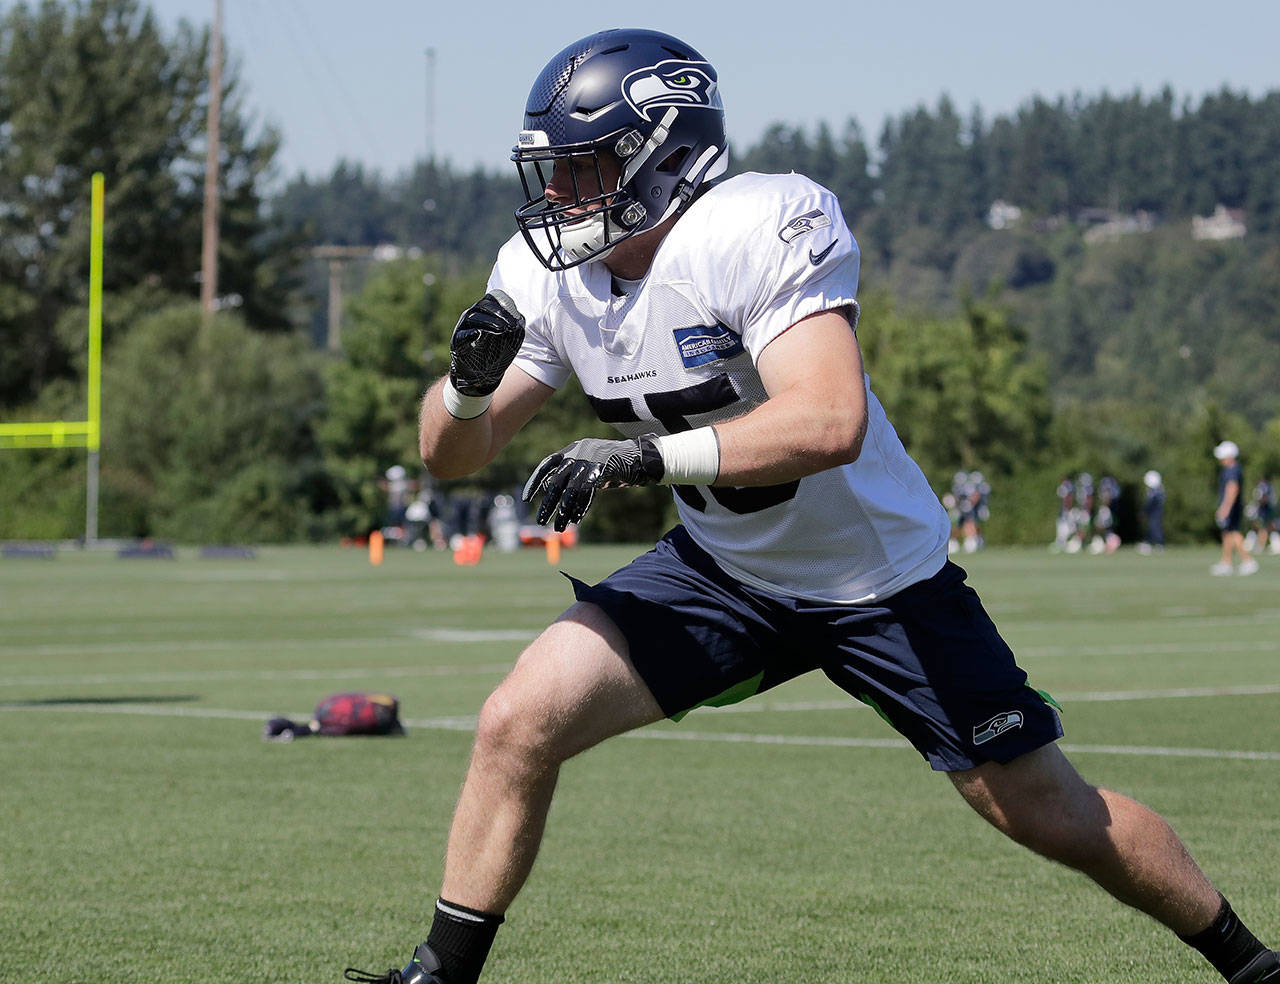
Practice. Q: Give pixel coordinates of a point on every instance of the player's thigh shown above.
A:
(574, 686)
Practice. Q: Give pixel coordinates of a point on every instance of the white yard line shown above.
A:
(1243, 690)
(1186, 621)
(471, 636)
(758, 706)
(842, 742)
(410, 638)
(467, 723)
(1157, 751)
(1066, 697)
(1208, 648)
(207, 676)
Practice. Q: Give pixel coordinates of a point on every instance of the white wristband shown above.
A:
(691, 457)
(463, 407)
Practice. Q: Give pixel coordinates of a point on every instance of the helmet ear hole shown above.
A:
(671, 164)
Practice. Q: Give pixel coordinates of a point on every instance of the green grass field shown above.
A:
(150, 835)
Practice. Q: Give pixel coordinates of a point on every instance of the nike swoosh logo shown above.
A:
(816, 258)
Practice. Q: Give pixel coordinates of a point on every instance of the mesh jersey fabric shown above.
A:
(751, 257)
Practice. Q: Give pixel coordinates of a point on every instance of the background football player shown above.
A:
(1230, 512)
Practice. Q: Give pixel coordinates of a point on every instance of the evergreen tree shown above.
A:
(209, 432)
(95, 85)
(964, 392)
(925, 170)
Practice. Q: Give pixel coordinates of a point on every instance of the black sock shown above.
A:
(1227, 943)
(461, 938)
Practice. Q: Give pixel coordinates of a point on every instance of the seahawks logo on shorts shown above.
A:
(998, 725)
(670, 83)
(797, 227)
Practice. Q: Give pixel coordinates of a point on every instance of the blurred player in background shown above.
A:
(713, 322)
(978, 496)
(1065, 526)
(397, 484)
(1105, 538)
(1081, 514)
(1261, 514)
(1230, 512)
(951, 502)
(1153, 512)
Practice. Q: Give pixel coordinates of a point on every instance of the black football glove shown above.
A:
(485, 341)
(568, 479)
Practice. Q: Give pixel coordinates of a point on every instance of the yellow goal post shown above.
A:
(78, 433)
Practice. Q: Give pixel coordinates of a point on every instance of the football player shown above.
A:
(1261, 512)
(1065, 526)
(958, 507)
(1105, 537)
(1082, 516)
(1230, 512)
(978, 490)
(712, 322)
(1153, 512)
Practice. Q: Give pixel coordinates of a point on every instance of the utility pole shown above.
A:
(209, 248)
(338, 257)
(431, 105)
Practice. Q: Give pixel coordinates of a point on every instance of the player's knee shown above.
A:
(510, 730)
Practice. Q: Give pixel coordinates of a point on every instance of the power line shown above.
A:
(314, 77)
(431, 105)
(334, 77)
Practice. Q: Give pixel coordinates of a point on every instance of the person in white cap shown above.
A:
(398, 486)
(1153, 512)
(1230, 512)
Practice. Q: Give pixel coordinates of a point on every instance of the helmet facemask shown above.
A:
(598, 213)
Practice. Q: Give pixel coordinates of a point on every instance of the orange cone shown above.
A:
(553, 547)
(469, 551)
(375, 547)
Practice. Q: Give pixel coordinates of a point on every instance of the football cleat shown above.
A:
(1263, 969)
(422, 969)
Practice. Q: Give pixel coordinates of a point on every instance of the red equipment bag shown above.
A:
(343, 714)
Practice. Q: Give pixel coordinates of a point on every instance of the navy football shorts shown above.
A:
(928, 659)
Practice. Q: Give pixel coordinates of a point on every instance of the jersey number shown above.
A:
(673, 409)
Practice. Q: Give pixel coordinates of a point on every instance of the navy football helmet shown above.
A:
(645, 98)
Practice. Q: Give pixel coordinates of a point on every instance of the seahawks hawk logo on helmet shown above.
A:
(670, 83)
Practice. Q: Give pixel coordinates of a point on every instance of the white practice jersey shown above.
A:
(750, 258)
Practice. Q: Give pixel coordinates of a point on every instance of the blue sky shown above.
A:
(347, 78)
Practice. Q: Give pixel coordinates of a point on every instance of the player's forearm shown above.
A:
(452, 447)
(790, 436)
